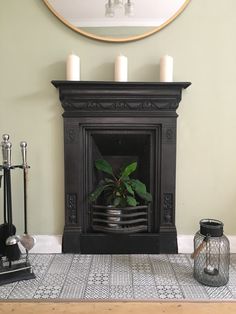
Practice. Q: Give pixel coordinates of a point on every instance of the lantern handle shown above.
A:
(200, 247)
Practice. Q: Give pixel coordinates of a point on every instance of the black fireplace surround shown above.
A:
(120, 122)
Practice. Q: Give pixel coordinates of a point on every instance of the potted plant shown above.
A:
(120, 192)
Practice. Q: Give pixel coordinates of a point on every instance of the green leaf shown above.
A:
(138, 186)
(140, 189)
(104, 166)
(129, 188)
(126, 179)
(117, 201)
(131, 201)
(147, 196)
(95, 194)
(129, 169)
(108, 180)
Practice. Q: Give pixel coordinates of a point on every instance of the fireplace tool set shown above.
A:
(14, 262)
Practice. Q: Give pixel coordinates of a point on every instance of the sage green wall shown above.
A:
(34, 45)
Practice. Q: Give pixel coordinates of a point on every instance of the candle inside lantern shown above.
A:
(73, 67)
(166, 69)
(121, 69)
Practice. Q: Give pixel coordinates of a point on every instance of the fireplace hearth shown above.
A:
(120, 122)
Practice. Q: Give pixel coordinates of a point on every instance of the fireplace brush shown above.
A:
(12, 249)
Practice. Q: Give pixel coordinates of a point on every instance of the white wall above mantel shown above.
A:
(52, 244)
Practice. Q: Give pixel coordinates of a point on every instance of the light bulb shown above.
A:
(118, 3)
(109, 9)
(129, 8)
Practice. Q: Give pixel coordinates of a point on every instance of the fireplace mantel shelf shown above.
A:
(60, 83)
(105, 96)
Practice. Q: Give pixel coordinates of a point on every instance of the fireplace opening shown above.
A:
(120, 148)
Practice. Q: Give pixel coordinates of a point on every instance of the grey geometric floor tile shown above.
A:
(6, 290)
(124, 292)
(60, 264)
(101, 263)
(162, 268)
(145, 292)
(197, 292)
(121, 278)
(120, 263)
(53, 279)
(232, 289)
(232, 277)
(141, 268)
(165, 279)
(185, 278)
(169, 292)
(215, 293)
(143, 279)
(96, 292)
(72, 292)
(47, 292)
(41, 264)
(95, 278)
(24, 289)
(43, 259)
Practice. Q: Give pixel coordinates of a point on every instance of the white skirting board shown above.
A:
(52, 244)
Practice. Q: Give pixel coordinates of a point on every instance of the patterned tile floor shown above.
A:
(116, 277)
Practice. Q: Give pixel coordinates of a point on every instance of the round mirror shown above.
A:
(116, 20)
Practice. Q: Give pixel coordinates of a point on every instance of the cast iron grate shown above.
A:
(120, 220)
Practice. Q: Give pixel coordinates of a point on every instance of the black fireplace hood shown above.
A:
(141, 117)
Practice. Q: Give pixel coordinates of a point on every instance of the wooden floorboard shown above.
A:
(118, 307)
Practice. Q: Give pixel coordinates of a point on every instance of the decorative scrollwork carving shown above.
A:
(71, 204)
(71, 135)
(129, 105)
(168, 207)
(169, 134)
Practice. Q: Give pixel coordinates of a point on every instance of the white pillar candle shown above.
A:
(73, 67)
(166, 69)
(121, 69)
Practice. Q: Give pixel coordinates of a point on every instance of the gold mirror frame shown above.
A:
(111, 39)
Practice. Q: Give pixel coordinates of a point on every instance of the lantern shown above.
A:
(211, 254)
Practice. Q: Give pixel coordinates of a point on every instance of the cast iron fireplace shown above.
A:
(121, 123)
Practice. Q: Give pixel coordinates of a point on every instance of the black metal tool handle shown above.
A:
(23, 146)
(7, 167)
(5, 161)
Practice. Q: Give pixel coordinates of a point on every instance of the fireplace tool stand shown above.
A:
(14, 262)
